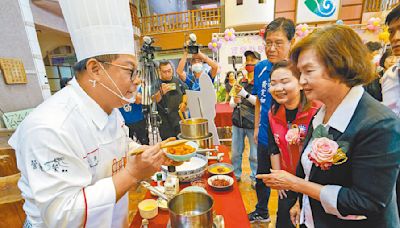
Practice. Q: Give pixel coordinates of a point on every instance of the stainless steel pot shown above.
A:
(191, 209)
(194, 128)
(203, 142)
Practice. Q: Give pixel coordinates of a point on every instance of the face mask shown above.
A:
(249, 68)
(122, 97)
(197, 67)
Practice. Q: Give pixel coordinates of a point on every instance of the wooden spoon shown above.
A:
(163, 145)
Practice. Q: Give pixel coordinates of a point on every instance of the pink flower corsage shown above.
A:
(325, 153)
(293, 135)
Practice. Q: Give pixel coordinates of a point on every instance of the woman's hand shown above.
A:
(282, 194)
(279, 179)
(295, 213)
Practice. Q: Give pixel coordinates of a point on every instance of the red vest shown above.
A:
(290, 154)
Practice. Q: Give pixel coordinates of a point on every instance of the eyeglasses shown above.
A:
(134, 72)
(277, 44)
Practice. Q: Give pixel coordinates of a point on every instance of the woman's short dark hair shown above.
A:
(394, 15)
(296, 73)
(342, 51)
(81, 65)
(385, 55)
(281, 24)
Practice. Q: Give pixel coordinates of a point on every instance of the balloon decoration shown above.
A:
(215, 44)
(229, 34)
(373, 24)
(302, 30)
(384, 35)
(339, 22)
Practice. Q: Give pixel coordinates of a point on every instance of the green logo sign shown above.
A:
(321, 8)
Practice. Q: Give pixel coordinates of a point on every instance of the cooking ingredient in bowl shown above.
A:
(220, 183)
(181, 150)
(219, 169)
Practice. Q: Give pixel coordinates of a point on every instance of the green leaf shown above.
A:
(320, 131)
(344, 145)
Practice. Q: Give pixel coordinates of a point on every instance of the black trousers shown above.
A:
(284, 205)
(263, 167)
(167, 130)
(140, 131)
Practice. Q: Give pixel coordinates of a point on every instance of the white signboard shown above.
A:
(317, 10)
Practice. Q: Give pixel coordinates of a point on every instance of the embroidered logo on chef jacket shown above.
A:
(57, 165)
(118, 165)
(92, 158)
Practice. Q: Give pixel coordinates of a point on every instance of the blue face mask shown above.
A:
(197, 67)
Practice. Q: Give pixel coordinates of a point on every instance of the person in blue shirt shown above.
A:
(191, 78)
(278, 39)
(134, 119)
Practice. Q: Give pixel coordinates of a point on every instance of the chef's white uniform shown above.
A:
(67, 150)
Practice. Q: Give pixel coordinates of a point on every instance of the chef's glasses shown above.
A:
(134, 72)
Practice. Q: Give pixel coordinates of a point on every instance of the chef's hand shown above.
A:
(144, 165)
(295, 213)
(278, 179)
(282, 194)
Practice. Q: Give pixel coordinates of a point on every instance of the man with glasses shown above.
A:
(73, 149)
(171, 99)
(278, 38)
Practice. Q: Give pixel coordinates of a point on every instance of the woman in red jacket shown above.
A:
(289, 118)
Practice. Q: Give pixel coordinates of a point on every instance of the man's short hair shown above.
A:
(164, 62)
(81, 65)
(394, 15)
(281, 24)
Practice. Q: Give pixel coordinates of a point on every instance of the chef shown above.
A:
(72, 149)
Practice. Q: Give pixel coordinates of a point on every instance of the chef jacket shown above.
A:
(67, 150)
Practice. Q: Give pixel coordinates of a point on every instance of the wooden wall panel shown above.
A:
(289, 15)
(284, 6)
(353, 12)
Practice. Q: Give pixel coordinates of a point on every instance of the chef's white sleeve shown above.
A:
(60, 181)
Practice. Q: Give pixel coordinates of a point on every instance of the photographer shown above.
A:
(192, 78)
(170, 100)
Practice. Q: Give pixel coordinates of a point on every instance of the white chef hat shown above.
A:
(99, 27)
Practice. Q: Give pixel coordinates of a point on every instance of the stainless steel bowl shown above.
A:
(203, 142)
(194, 128)
(191, 209)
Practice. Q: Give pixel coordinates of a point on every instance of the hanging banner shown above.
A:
(317, 11)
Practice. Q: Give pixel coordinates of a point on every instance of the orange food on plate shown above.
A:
(181, 150)
(220, 183)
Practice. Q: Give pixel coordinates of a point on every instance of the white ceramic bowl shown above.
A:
(186, 157)
(220, 177)
(148, 208)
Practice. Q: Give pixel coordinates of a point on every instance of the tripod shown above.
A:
(151, 85)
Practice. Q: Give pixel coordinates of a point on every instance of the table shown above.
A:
(228, 204)
(223, 115)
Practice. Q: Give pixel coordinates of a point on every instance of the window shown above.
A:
(239, 2)
(261, 1)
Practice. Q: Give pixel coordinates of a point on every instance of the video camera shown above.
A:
(147, 49)
(192, 47)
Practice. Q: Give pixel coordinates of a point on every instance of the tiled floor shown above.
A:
(248, 194)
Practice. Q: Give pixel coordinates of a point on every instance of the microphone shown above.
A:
(193, 37)
(148, 40)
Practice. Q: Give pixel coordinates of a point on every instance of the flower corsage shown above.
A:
(295, 135)
(326, 152)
